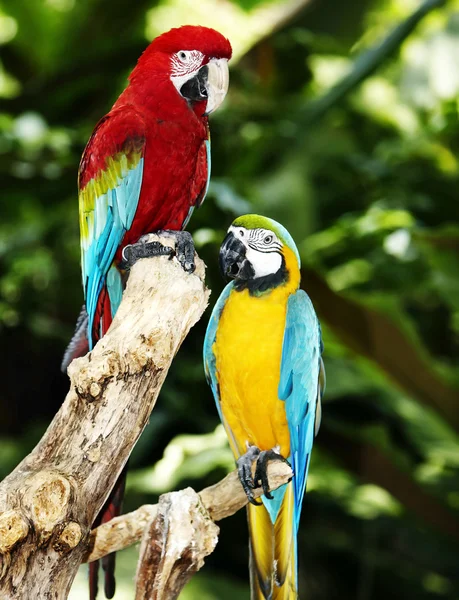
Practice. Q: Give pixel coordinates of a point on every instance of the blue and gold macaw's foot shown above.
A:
(261, 472)
(244, 471)
(143, 249)
(184, 248)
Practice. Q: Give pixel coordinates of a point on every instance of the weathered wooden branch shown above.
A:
(49, 502)
(174, 546)
(177, 534)
(218, 501)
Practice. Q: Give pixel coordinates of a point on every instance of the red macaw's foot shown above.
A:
(261, 472)
(143, 249)
(184, 248)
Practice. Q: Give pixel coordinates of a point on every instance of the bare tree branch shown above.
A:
(174, 546)
(49, 502)
(220, 501)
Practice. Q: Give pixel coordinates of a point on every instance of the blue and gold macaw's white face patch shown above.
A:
(263, 249)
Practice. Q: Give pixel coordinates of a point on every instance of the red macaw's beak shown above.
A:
(233, 261)
(217, 83)
(209, 82)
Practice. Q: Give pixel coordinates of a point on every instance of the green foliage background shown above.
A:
(367, 184)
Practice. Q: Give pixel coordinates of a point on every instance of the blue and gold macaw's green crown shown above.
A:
(260, 222)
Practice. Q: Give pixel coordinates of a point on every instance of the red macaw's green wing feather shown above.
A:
(110, 181)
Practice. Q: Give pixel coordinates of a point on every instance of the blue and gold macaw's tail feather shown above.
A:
(79, 345)
(272, 527)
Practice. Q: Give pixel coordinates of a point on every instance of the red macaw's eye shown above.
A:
(189, 59)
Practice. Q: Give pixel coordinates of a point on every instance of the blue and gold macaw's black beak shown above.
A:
(233, 261)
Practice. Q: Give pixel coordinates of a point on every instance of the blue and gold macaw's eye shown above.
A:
(264, 240)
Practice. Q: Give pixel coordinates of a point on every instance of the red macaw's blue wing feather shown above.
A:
(300, 386)
(110, 182)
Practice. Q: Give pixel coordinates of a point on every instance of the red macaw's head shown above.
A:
(194, 59)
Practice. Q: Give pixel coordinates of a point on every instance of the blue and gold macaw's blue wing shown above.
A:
(301, 386)
(108, 202)
(210, 365)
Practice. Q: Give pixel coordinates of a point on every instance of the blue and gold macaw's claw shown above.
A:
(261, 472)
(142, 249)
(244, 471)
(184, 248)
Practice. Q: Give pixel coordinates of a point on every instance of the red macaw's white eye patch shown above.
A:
(186, 62)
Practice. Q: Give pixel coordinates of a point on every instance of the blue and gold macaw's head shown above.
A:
(259, 254)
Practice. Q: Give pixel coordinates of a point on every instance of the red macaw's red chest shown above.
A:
(175, 173)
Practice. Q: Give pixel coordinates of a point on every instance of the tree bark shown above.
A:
(174, 546)
(49, 502)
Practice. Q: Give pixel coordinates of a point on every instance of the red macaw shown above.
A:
(145, 168)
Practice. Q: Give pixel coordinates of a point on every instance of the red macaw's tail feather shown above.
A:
(102, 316)
(79, 345)
(112, 508)
(273, 551)
(93, 579)
(108, 565)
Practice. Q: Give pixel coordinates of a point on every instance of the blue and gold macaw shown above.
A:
(262, 356)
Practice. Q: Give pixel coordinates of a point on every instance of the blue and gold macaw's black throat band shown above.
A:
(259, 285)
(235, 265)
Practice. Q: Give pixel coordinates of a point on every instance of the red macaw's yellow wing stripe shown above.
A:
(273, 551)
(108, 203)
(92, 208)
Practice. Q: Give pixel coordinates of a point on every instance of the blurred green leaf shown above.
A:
(186, 457)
